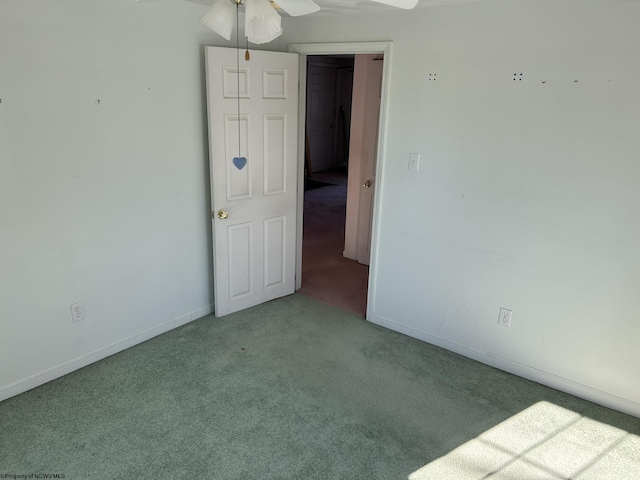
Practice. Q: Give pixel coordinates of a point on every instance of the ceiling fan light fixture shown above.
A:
(221, 17)
(262, 22)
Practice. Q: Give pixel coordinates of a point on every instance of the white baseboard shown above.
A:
(540, 376)
(57, 371)
(350, 254)
(202, 312)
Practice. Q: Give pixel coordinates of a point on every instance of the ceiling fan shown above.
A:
(262, 21)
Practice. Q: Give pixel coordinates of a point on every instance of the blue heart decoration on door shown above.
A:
(239, 162)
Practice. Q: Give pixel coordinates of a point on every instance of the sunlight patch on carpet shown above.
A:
(543, 442)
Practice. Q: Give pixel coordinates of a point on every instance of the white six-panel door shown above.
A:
(253, 201)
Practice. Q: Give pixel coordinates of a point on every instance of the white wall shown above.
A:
(526, 196)
(527, 192)
(105, 203)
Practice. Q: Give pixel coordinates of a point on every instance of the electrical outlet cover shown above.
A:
(505, 317)
(77, 311)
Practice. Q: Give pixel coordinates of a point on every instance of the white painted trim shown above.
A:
(65, 368)
(349, 253)
(302, 115)
(385, 48)
(522, 370)
(340, 48)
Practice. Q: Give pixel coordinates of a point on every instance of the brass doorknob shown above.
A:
(222, 215)
(367, 184)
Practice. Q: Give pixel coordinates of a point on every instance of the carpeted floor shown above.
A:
(292, 389)
(543, 442)
(326, 274)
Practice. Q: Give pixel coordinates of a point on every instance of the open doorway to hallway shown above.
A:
(326, 274)
(339, 176)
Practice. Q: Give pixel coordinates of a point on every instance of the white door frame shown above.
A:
(305, 49)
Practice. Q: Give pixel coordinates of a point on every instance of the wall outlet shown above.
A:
(77, 311)
(505, 317)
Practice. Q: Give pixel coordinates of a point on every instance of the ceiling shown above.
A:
(353, 7)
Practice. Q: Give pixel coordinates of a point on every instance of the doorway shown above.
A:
(325, 272)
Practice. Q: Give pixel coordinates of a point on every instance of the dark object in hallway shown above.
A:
(312, 184)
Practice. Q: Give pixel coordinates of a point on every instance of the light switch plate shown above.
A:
(414, 161)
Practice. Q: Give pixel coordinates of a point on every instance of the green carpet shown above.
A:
(543, 442)
(293, 389)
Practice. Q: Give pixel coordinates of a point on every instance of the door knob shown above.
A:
(222, 215)
(367, 184)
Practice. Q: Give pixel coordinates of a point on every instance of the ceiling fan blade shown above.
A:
(406, 4)
(296, 8)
